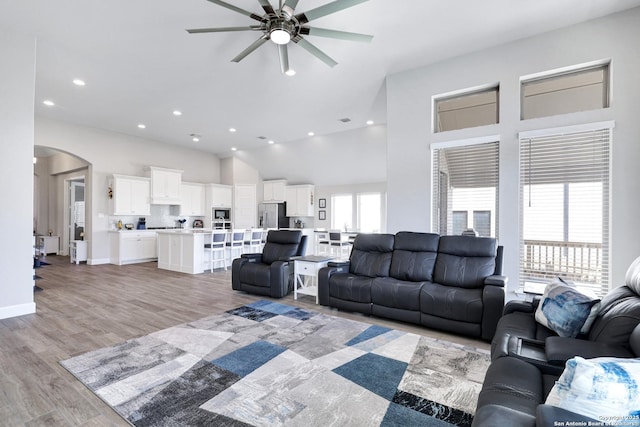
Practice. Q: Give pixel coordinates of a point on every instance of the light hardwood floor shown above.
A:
(82, 308)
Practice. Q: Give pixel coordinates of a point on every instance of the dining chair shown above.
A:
(322, 245)
(339, 243)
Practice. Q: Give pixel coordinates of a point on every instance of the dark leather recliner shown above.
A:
(269, 273)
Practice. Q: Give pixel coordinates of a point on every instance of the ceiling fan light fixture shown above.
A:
(280, 36)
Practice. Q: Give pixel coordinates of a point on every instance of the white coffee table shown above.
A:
(308, 267)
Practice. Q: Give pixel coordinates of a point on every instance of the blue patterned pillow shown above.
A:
(606, 389)
(565, 310)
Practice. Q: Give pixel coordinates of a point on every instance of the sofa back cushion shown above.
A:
(619, 315)
(371, 255)
(281, 244)
(465, 261)
(414, 256)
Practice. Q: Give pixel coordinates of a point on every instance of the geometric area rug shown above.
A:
(271, 364)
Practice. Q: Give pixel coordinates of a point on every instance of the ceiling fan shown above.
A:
(283, 25)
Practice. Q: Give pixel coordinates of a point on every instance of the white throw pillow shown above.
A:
(565, 310)
(606, 389)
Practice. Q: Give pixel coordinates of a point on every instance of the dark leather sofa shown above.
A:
(451, 283)
(527, 358)
(269, 273)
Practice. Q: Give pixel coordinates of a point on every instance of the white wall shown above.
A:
(409, 126)
(109, 153)
(17, 91)
(351, 157)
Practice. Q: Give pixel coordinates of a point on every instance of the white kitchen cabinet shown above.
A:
(245, 208)
(300, 200)
(219, 196)
(192, 199)
(274, 191)
(131, 195)
(182, 251)
(128, 247)
(166, 186)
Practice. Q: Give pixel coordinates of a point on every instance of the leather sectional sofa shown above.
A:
(451, 283)
(528, 358)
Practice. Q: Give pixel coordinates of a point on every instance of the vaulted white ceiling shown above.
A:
(139, 63)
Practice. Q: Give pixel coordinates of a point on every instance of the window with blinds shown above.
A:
(569, 92)
(465, 189)
(564, 224)
(477, 108)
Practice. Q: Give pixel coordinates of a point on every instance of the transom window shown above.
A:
(471, 109)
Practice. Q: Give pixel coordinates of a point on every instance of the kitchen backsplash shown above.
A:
(161, 216)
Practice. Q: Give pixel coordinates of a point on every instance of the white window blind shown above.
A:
(465, 189)
(564, 192)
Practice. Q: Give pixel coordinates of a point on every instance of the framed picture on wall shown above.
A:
(322, 215)
(322, 203)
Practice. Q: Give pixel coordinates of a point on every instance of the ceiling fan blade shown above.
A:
(224, 29)
(268, 9)
(284, 58)
(334, 34)
(237, 9)
(326, 9)
(256, 44)
(288, 8)
(315, 52)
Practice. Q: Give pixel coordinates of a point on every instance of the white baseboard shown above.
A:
(98, 261)
(17, 310)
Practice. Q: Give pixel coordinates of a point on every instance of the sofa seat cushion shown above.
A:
(256, 274)
(390, 292)
(450, 302)
(350, 287)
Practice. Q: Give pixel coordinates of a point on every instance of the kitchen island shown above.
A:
(183, 249)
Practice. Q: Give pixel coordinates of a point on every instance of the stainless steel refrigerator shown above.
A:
(272, 215)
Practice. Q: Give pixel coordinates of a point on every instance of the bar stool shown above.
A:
(235, 243)
(217, 249)
(254, 242)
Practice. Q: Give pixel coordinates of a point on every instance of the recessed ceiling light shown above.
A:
(177, 113)
(232, 129)
(311, 134)
(196, 139)
(48, 103)
(78, 82)
(234, 149)
(142, 126)
(290, 72)
(271, 141)
(369, 122)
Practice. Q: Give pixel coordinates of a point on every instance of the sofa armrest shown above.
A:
(338, 264)
(492, 306)
(252, 257)
(521, 306)
(496, 280)
(549, 416)
(324, 276)
(561, 349)
(281, 279)
(236, 265)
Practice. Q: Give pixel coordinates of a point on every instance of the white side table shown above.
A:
(307, 266)
(49, 244)
(78, 251)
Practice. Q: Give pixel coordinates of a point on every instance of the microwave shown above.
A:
(222, 213)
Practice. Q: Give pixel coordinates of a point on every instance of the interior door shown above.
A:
(76, 210)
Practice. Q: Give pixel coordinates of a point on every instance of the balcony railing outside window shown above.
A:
(575, 261)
